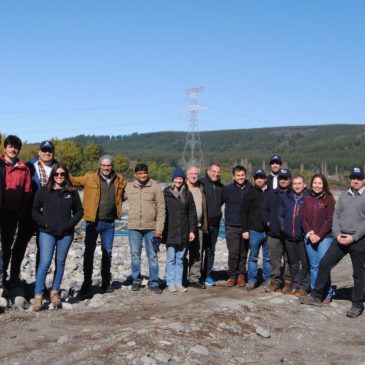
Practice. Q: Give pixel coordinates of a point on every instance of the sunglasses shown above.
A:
(62, 174)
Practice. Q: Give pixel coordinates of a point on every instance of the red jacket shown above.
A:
(317, 214)
(17, 187)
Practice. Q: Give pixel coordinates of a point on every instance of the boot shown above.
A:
(231, 282)
(37, 305)
(273, 286)
(287, 288)
(241, 282)
(55, 299)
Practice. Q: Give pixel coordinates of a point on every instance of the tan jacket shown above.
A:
(91, 184)
(146, 206)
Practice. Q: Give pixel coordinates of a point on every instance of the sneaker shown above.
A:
(210, 281)
(172, 288)
(309, 300)
(181, 289)
(198, 285)
(136, 287)
(250, 285)
(354, 312)
(274, 286)
(107, 288)
(327, 301)
(155, 289)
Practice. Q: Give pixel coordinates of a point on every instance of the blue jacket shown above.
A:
(270, 209)
(36, 184)
(232, 197)
(290, 215)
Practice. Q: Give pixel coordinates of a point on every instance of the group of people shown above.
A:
(300, 231)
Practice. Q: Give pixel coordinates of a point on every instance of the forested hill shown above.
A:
(341, 145)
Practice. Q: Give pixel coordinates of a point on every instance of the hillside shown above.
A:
(340, 145)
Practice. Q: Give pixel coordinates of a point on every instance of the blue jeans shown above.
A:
(106, 231)
(47, 244)
(258, 239)
(315, 254)
(136, 238)
(210, 242)
(175, 264)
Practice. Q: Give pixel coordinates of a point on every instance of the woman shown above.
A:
(180, 223)
(56, 210)
(318, 208)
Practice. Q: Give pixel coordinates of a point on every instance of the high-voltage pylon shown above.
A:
(193, 149)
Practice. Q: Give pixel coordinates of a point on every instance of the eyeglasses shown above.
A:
(62, 174)
(106, 165)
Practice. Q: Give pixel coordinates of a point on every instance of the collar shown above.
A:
(350, 192)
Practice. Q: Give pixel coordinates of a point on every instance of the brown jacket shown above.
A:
(91, 184)
(146, 206)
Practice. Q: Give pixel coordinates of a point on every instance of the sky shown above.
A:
(111, 67)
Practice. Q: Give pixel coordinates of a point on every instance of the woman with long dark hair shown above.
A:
(57, 209)
(317, 213)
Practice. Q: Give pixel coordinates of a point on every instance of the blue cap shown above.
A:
(276, 158)
(284, 173)
(178, 172)
(259, 173)
(357, 172)
(46, 144)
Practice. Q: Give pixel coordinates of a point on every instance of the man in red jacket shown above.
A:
(15, 202)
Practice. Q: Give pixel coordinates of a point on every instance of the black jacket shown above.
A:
(213, 197)
(2, 182)
(270, 182)
(270, 210)
(180, 217)
(57, 211)
(232, 198)
(251, 210)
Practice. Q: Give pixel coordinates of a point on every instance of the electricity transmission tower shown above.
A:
(193, 150)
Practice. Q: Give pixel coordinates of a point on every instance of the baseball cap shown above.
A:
(276, 158)
(46, 144)
(284, 173)
(259, 173)
(357, 172)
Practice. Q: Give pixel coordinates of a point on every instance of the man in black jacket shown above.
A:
(2, 193)
(276, 164)
(213, 195)
(254, 230)
(233, 195)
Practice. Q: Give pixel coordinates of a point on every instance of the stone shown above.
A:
(21, 303)
(176, 327)
(201, 350)
(263, 332)
(162, 357)
(64, 339)
(67, 306)
(3, 303)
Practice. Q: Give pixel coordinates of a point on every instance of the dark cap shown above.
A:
(178, 172)
(259, 173)
(357, 172)
(276, 158)
(284, 173)
(46, 144)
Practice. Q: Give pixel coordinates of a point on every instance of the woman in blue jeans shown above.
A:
(180, 223)
(317, 213)
(57, 209)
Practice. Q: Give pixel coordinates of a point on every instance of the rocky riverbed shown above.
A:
(218, 325)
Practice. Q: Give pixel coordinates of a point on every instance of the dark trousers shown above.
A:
(194, 263)
(210, 240)
(237, 251)
(298, 264)
(14, 250)
(277, 252)
(332, 257)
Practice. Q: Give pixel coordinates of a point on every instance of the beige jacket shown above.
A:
(146, 206)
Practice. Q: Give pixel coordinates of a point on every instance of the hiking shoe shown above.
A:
(172, 288)
(107, 288)
(273, 286)
(300, 293)
(55, 299)
(210, 281)
(136, 287)
(309, 300)
(198, 285)
(155, 289)
(354, 312)
(181, 289)
(231, 282)
(37, 305)
(287, 288)
(250, 285)
(241, 282)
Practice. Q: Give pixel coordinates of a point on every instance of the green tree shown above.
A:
(121, 163)
(91, 154)
(70, 154)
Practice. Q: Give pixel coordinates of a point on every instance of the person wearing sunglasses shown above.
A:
(56, 210)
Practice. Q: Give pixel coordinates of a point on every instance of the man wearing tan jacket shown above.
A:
(146, 220)
(103, 191)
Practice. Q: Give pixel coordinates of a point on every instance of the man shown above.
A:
(213, 194)
(276, 240)
(103, 191)
(2, 194)
(195, 248)
(146, 219)
(16, 202)
(276, 164)
(233, 195)
(254, 230)
(289, 216)
(348, 228)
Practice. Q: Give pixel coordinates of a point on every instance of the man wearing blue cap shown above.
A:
(254, 229)
(349, 231)
(276, 164)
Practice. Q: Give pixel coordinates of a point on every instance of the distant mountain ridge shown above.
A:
(341, 145)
